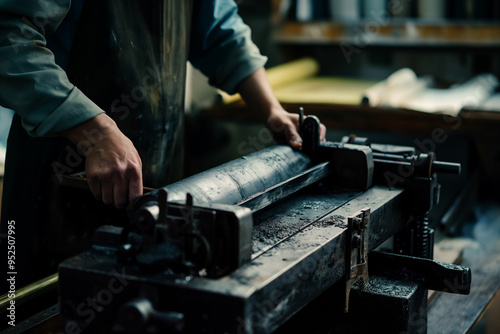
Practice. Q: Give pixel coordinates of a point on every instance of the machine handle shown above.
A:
(138, 314)
(446, 167)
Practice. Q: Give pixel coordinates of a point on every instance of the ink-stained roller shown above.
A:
(240, 179)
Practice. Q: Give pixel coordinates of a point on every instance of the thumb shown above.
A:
(292, 136)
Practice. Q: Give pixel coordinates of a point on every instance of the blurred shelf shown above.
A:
(480, 127)
(392, 33)
(476, 123)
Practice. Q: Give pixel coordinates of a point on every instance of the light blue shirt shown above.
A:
(37, 88)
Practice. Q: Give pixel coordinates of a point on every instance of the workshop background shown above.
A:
(446, 44)
(451, 47)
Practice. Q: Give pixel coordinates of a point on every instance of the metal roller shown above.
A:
(238, 180)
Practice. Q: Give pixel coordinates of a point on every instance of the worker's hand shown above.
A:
(285, 128)
(258, 95)
(113, 166)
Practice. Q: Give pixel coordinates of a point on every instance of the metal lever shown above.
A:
(138, 314)
(431, 274)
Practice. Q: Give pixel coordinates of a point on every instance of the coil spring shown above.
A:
(421, 248)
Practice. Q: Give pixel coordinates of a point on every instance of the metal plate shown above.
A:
(275, 225)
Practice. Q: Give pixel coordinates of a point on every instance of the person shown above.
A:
(59, 112)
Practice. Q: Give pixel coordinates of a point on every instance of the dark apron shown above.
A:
(129, 57)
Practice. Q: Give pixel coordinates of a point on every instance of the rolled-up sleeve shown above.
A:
(221, 45)
(31, 83)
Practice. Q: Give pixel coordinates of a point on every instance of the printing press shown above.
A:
(243, 247)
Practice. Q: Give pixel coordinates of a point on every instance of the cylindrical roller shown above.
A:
(240, 179)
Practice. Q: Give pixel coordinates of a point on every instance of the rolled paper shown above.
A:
(374, 7)
(345, 10)
(432, 9)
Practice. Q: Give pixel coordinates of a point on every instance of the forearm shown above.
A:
(259, 97)
(258, 93)
(89, 133)
(38, 90)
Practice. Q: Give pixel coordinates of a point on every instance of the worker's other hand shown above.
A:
(285, 128)
(113, 166)
(258, 95)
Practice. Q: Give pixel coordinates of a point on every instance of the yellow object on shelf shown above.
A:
(292, 71)
(324, 90)
(296, 82)
(283, 74)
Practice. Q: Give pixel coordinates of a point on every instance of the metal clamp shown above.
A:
(356, 252)
(309, 128)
